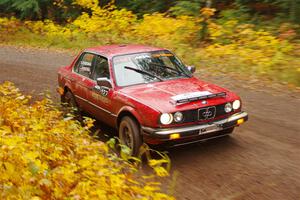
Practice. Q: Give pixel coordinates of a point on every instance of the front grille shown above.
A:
(197, 114)
(206, 113)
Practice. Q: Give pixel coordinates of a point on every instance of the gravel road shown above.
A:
(261, 160)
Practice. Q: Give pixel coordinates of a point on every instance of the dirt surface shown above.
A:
(261, 160)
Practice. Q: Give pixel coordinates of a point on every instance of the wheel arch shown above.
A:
(128, 111)
(67, 86)
(66, 89)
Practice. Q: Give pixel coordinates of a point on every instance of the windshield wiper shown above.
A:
(170, 68)
(144, 72)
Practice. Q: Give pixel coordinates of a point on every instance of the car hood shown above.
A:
(159, 95)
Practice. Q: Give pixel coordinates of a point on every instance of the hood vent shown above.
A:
(194, 96)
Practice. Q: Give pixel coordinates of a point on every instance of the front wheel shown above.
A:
(129, 134)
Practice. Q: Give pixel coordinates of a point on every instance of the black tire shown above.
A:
(129, 134)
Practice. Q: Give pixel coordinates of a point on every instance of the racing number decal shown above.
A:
(104, 91)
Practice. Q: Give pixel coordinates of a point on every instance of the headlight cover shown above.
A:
(166, 118)
(228, 107)
(178, 116)
(236, 104)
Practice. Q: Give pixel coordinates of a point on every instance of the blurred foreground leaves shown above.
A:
(46, 156)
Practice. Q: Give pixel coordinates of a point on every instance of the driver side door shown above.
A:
(100, 99)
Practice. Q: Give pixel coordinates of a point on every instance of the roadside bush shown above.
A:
(241, 48)
(109, 21)
(159, 29)
(46, 156)
(256, 48)
(9, 25)
(49, 28)
(225, 44)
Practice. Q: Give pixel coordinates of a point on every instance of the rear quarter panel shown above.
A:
(64, 74)
(63, 77)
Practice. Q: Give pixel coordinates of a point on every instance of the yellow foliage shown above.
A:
(257, 48)
(207, 12)
(49, 28)
(110, 21)
(90, 4)
(228, 44)
(260, 49)
(46, 156)
(9, 24)
(162, 29)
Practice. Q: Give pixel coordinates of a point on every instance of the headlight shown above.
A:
(228, 107)
(178, 116)
(236, 104)
(166, 118)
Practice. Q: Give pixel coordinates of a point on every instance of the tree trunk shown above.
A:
(294, 11)
(208, 3)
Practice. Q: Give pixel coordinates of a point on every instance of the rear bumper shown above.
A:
(203, 131)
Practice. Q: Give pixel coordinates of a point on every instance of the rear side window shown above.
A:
(84, 64)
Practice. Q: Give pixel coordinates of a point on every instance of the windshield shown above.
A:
(148, 67)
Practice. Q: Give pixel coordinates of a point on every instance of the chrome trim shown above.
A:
(196, 98)
(95, 105)
(81, 98)
(207, 110)
(97, 54)
(198, 127)
(196, 141)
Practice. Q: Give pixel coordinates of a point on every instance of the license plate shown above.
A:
(209, 129)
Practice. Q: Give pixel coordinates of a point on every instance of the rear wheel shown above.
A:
(129, 135)
(70, 104)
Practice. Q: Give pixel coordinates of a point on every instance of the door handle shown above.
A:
(100, 89)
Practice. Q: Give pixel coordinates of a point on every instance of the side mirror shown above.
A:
(192, 69)
(104, 82)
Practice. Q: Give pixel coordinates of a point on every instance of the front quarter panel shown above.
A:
(145, 115)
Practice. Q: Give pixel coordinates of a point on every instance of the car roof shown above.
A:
(121, 49)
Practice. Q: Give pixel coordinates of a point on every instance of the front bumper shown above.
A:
(202, 130)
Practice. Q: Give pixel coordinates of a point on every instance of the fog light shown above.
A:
(240, 121)
(174, 136)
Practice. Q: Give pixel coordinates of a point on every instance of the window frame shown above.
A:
(96, 54)
(75, 67)
(94, 67)
(128, 54)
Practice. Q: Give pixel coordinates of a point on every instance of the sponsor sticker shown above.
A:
(192, 95)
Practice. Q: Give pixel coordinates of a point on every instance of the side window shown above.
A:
(101, 68)
(84, 64)
(167, 61)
